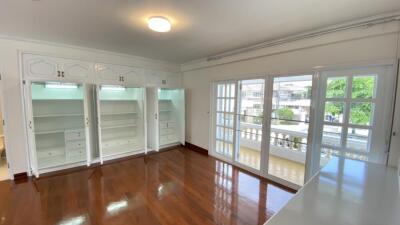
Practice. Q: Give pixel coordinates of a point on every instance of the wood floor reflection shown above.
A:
(173, 187)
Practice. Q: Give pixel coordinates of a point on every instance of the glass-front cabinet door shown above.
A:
(121, 121)
(58, 127)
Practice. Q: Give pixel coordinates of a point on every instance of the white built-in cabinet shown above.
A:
(39, 67)
(79, 113)
(166, 117)
(156, 78)
(121, 121)
(119, 75)
(57, 125)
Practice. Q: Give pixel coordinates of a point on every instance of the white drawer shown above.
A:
(75, 144)
(74, 135)
(76, 155)
(171, 124)
(76, 152)
(50, 153)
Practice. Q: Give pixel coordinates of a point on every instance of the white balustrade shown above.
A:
(284, 143)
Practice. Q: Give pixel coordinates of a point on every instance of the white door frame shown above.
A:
(10, 172)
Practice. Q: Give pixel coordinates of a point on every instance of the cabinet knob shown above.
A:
(58, 73)
(62, 73)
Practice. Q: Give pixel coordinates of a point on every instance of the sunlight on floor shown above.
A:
(279, 167)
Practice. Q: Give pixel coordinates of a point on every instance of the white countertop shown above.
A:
(345, 192)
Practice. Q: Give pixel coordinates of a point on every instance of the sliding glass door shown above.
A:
(289, 127)
(250, 122)
(239, 125)
(286, 127)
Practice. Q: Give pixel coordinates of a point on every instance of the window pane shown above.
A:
(294, 142)
(220, 133)
(251, 119)
(229, 120)
(331, 135)
(358, 139)
(360, 113)
(231, 90)
(220, 105)
(220, 119)
(228, 135)
(228, 149)
(230, 105)
(219, 146)
(221, 90)
(334, 112)
(363, 86)
(292, 98)
(336, 87)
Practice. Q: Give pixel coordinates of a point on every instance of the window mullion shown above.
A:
(346, 118)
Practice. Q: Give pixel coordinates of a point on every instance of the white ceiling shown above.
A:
(200, 27)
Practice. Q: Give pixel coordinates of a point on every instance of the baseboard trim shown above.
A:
(196, 148)
(21, 176)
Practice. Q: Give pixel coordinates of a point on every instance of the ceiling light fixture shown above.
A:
(159, 24)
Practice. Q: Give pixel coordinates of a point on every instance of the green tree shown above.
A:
(285, 113)
(362, 87)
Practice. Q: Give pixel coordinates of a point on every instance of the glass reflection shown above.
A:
(116, 207)
(74, 221)
(237, 193)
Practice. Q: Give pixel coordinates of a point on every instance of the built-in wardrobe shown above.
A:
(166, 126)
(79, 113)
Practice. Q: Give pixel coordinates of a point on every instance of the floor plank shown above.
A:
(173, 187)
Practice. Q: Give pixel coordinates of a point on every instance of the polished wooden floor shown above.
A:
(179, 186)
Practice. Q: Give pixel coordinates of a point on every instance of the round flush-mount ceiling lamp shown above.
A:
(159, 24)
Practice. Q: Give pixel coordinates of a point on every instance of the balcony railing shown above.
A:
(292, 144)
(284, 143)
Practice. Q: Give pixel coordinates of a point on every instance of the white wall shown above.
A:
(394, 157)
(13, 106)
(354, 47)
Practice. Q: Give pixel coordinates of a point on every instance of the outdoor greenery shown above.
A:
(284, 113)
(362, 87)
